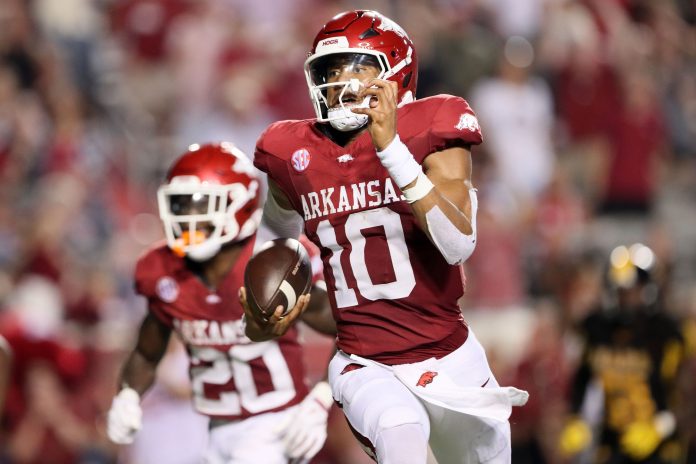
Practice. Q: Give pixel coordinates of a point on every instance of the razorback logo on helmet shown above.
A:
(388, 25)
(468, 121)
(426, 378)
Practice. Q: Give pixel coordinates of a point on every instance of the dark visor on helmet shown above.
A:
(183, 205)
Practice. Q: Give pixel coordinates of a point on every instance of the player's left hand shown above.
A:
(382, 110)
(304, 431)
(276, 325)
(125, 417)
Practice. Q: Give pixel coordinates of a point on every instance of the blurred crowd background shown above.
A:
(588, 109)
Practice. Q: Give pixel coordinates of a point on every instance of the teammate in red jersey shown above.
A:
(209, 207)
(382, 185)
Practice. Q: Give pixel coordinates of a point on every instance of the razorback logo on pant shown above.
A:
(426, 378)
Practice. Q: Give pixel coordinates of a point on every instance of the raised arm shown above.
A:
(440, 192)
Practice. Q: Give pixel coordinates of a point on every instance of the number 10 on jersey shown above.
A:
(390, 222)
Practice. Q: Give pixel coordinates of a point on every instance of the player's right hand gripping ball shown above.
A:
(277, 275)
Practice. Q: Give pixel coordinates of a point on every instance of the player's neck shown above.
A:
(338, 137)
(213, 271)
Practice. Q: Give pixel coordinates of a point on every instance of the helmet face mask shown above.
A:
(354, 40)
(210, 199)
(332, 96)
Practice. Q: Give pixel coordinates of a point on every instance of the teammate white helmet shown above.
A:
(210, 198)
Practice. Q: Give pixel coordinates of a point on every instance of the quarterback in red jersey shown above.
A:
(209, 207)
(381, 184)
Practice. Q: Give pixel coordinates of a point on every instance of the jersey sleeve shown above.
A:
(263, 153)
(454, 124)
(155, 307)
(143, 280)
(267, 161)
(145, 283)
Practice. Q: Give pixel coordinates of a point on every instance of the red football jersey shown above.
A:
(393, 295)
(232, 377)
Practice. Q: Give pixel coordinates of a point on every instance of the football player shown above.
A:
(209, 208)
(633, 351)
(381, 183)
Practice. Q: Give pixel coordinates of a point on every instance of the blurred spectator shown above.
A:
(73, 26)
(44, 416)
(585, 89)
(460, 51)
(558, 221)
(516, 110)
(513, 17)
(636, 141)
(494, 277)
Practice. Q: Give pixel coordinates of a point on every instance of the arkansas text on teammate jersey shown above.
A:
(232, 377)
(393, 295)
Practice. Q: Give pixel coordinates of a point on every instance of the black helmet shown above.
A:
(631, 276)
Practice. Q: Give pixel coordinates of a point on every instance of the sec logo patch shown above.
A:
(300, 159)
(167, 289)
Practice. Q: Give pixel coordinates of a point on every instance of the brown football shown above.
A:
(277, 275)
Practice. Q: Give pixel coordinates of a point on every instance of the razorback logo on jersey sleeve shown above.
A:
(468, 121)
(456, 122)
(438, 123)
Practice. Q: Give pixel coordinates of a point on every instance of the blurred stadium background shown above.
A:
(588, 109)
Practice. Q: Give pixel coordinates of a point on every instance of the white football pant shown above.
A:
(379, 406)
(248, 441)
